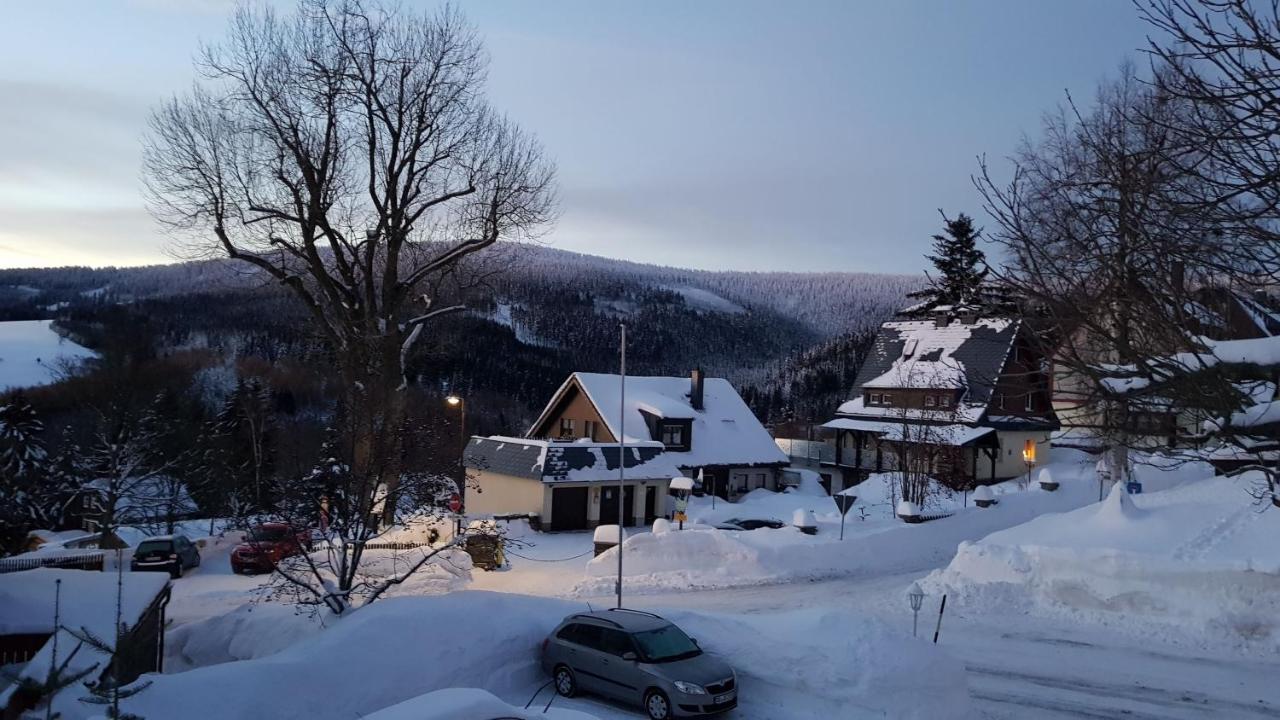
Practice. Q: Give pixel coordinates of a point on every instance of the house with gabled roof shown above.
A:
(704, 426)
(974, 388)
(567, 485)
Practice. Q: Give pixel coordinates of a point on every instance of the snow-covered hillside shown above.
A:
(31, 353)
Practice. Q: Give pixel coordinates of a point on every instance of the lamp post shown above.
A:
(915, 596)
(457, 402)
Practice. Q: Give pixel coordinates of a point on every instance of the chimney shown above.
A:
(695, 388)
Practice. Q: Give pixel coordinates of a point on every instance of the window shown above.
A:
(930, 400)
(615, 642)
(673, 435)
(566, 427)
(1000, 401)
(666, 644)
(887, 399)
(1031, 402)
(86, 501)
(944, 400)
(874, 399)
(589, 429)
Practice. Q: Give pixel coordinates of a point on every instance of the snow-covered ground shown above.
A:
(816, 627)
(1195, 563)
(31, 354)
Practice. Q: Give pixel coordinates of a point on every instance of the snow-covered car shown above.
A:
(268, 544)
(749, 524)
(639, 658)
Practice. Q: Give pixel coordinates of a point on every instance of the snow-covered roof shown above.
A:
(87, 601)
(724, 431)
(551, 461)
(950, 434)
(963, 412)
(920, 354)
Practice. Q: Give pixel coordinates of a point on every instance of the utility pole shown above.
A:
(622, 448)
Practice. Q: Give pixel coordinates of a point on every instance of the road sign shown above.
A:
(845, 502)
(455, 503)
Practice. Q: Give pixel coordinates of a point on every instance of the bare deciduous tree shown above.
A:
(347, 152)
(1106, 240)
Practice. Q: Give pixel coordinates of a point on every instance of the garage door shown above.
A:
(569, 508)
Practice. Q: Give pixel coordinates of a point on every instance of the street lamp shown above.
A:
(457, 402)
(915, 595)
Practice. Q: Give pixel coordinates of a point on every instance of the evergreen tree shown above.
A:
(961, 267)
(23, 460)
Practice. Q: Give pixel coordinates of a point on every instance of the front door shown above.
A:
(650, 504)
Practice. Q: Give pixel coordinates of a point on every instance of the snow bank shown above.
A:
(1197, 563)
(418, 657)
(248, 632)
(469, 704)
(831, 663)
(700, 557)
(389, 652)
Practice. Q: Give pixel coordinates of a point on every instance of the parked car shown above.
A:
(174, 554)
(267, 544)
(638, 658)
(749, 524)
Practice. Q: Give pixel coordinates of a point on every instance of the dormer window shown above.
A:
(674, 436)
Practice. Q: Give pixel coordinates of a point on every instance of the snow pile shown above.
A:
(700, 557)
(469, 704)
(389, 652)
(1197, 562)
(831, 663)
(248, 632)
(419, 658)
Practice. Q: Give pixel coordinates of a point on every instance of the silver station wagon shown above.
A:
(638, 658)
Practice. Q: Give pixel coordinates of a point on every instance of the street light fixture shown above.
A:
(457, 402)
(915, 595)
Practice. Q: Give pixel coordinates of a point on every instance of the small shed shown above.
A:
(87, 600)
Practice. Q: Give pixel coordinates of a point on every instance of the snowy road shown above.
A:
(1019, 667)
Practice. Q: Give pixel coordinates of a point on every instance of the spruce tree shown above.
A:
(961, 267)
(22, 464)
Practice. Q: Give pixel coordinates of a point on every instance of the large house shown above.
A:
(703, 424)
(971, 390)
(567, 485)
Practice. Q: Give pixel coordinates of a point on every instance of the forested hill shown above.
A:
(786, 338)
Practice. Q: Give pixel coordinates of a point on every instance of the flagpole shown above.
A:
(622, 449)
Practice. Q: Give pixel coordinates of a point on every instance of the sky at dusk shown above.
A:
(720, 135)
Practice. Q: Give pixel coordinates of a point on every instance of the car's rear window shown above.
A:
(154, 546)
(268, 534)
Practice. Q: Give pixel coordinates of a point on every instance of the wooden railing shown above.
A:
(79, 561)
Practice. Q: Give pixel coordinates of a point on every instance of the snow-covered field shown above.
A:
(31, 354)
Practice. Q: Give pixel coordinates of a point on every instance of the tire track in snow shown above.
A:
(1091, 699)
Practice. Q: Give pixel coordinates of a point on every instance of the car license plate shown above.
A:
(722, 698)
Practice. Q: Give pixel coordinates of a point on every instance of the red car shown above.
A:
(268, 544)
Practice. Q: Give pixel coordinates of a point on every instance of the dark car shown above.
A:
(267, 544)
(174, 554)
(638, 658)
(750, 524)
